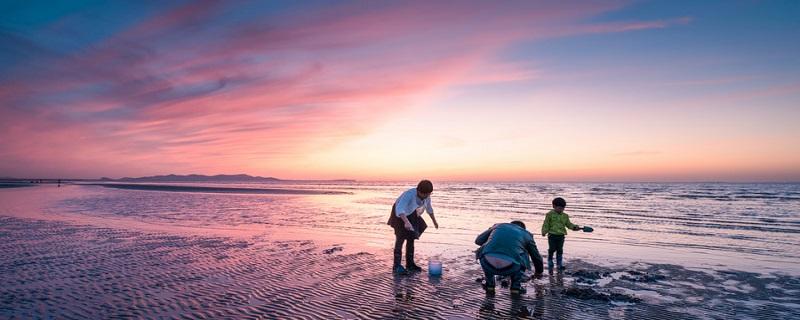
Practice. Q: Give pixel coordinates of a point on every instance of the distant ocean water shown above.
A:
(323, 250)
(752, 227)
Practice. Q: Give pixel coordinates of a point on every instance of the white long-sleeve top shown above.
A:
(409, 203)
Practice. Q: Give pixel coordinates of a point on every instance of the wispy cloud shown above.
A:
(711, 81)
(211, 85)
(633, 25)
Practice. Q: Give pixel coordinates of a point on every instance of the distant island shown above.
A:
(205, 178)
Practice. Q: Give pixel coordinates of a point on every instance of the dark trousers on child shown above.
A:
(555, 244)
(401, 234)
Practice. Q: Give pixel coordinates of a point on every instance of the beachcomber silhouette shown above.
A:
(408, 224)
(504, 251)
(555, 227)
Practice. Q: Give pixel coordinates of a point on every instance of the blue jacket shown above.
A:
(511, 240)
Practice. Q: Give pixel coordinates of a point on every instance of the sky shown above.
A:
(402, 90)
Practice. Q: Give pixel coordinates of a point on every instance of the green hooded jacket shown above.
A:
(556, 224)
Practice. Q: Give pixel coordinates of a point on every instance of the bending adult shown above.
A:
(505, 251)
(408, 224)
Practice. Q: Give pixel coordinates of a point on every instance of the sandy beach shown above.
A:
(59, 266)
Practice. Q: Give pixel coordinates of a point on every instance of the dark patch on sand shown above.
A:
(592, 294)
(332, 250)
(638, 276)
(588, 277)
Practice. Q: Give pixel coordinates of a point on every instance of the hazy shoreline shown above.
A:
(179, 188)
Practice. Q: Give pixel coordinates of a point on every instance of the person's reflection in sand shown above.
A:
(531, 305)
(555, 302)
(557, 281)
(537, 299)
(528, 307)
(518, 307)
(403, 295)
(487, 307)
(402, 291)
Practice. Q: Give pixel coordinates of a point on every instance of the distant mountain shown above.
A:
(197, 178)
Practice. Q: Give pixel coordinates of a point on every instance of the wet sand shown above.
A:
(72, 271)
(4, 185)
(79, 252)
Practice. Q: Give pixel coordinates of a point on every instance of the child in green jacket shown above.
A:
(555, 228)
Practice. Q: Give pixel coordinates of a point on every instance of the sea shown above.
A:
(749, 227)
(322, 250)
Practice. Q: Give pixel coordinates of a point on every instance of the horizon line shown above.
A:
(451, 180)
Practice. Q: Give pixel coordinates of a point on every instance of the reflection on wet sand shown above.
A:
(199, 276)
(74, 251)
(520, 306)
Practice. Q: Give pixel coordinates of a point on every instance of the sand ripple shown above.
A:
(57, 270)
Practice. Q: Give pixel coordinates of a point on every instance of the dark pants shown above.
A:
(514, 271)
(555, 244)
(398, 250)
(402, 235)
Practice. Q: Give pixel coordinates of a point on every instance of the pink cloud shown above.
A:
(172, 91)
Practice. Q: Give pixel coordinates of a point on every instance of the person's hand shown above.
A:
(436, 224)
(409, 227)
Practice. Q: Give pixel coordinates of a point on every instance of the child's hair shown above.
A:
(425, 186)
(559, 202)
(519, 223)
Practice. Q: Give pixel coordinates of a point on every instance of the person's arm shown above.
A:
(430, 213)
(538, 265)
(435, 224)
(402, 210)
(546, 225)
(407, 223)
(569, 224)
(483, 237)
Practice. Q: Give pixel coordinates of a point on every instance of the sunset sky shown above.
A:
(399, 90)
